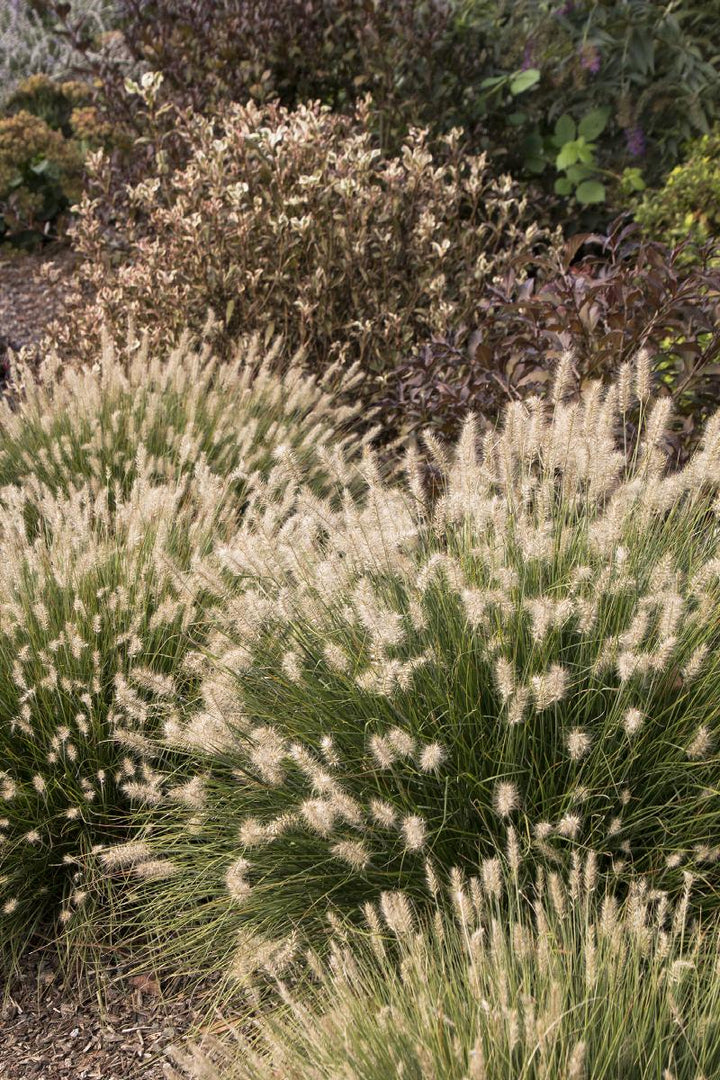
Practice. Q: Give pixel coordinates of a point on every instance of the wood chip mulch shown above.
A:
(49, 1031)
(28, 302)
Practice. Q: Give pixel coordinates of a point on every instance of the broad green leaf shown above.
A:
(524, 80)
(633, 178)
(590, 191)
(593, 123)
(564, 130)
(535, 164)
(517, 118)
(586, 152)
(641, 51)
(532, 144)
(563, 186)
(567, 156)
(577, 173)
(494, 80)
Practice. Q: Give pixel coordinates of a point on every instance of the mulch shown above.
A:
(52, 1031)
(28, 302)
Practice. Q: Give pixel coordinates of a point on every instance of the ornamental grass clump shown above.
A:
(115, 483)
(400, 679)
(167, 411)
(560, 983)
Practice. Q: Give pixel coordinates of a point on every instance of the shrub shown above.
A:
(401, 680)
(40, 174)
(688, 205)
(634, 81)
(116, 482)
(572, 985)
(49, 99)
(440, 64)
(420, 63)
(44, 136)
(292, 220)
(608, 296)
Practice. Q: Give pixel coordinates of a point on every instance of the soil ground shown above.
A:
(52, 1031)
(27, 301)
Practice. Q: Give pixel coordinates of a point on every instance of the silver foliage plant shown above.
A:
(28, 45)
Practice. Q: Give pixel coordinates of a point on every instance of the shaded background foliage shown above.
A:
(604, 297)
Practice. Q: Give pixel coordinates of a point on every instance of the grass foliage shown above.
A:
(116, 482)
(409, 749)
(400, 678)
(558, 982)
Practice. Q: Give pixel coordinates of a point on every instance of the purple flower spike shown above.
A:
(590, 58)
(635, 141)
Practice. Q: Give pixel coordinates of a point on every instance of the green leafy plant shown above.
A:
(40, 173)
(576, 156)
(572, 150)
(687, 207)
(47, 130)
(515, 83)
(652, 67)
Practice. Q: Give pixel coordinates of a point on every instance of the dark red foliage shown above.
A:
(604, 298)
(418, 63)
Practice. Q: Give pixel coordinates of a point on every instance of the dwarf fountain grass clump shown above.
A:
(400, 679)
(563, 982)
(116, 482)
(102, 424)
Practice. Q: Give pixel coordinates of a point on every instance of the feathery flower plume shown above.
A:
(492, 878)
(414, 832)
(632, 721)
(431, 757)
(353, 852)
(578, 744)
(383, 813)
(549, 688)
(700, 746)
(129, 854)
(397, 912)
(155, 869)
(506, 799)
(236, 881)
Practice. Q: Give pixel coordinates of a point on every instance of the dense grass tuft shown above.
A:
(561, 983)
(116, 484)
(399, 679)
